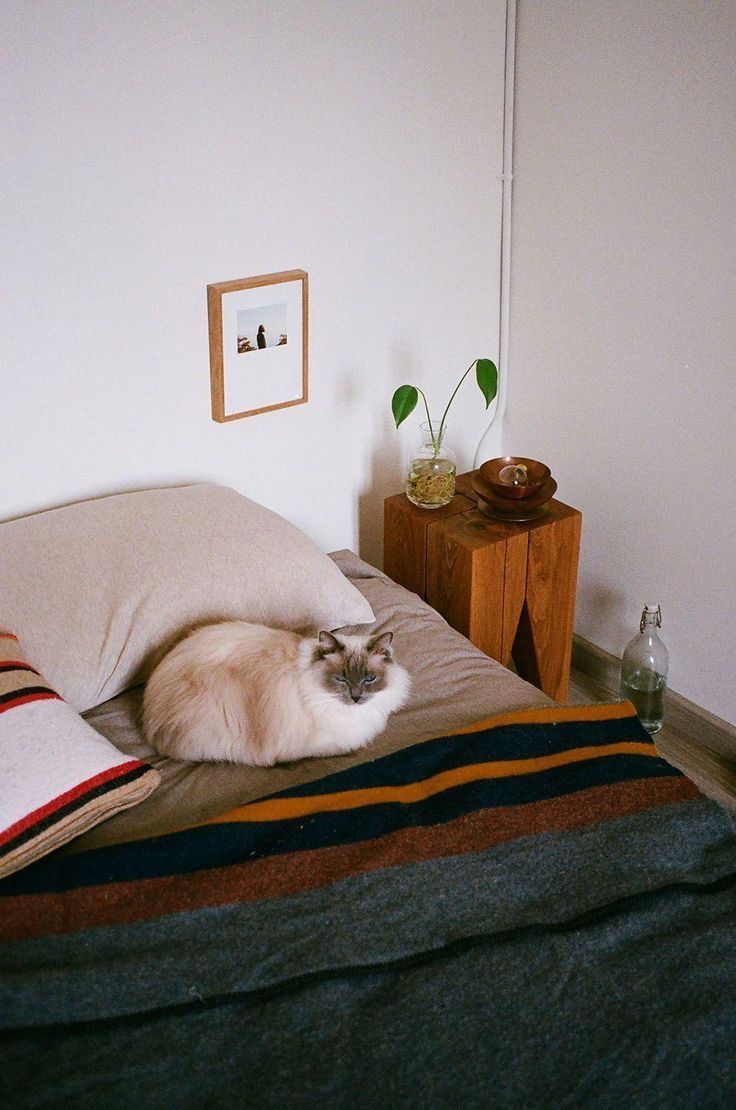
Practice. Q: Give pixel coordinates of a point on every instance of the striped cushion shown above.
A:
(58, 777)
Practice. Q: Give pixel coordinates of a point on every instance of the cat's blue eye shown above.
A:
(370, 678)
(339, 678)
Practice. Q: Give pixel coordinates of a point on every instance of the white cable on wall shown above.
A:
(505, 262)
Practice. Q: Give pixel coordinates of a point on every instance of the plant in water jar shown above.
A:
(431, 470)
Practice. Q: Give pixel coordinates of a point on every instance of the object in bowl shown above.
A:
(514, 477)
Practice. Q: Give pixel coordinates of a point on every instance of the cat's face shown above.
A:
(353, 669)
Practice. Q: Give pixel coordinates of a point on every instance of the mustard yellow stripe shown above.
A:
(279, 809)
(552, 714)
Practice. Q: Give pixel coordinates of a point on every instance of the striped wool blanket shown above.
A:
(58, 776)
(534, 816)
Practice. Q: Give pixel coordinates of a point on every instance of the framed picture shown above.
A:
(258, 344)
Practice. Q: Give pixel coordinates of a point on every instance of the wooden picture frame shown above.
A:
(258, 344)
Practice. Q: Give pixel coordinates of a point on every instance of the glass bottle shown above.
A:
(431, 469)
(644, 670)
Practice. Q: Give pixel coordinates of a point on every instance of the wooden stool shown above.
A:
(508, 587)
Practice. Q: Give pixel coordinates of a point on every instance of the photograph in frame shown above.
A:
(258, 330)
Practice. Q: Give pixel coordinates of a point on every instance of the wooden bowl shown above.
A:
(498, 475)
(513, 508)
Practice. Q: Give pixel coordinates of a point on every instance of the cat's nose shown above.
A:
(356, 695)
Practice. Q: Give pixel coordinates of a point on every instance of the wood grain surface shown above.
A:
(508, 586)
(552, 566)
(405, 538)
(465, 582)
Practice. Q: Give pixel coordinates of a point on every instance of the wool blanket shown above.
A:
(437, 893)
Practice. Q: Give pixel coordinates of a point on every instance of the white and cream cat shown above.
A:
(245, 693)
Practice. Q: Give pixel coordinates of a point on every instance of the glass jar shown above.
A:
(644, 670)
(431, 469)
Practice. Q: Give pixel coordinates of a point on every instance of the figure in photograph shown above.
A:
(262, 327)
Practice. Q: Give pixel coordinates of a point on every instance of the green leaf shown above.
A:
(487, 377)
(403, 402)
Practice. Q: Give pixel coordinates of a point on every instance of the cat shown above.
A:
(244, 693)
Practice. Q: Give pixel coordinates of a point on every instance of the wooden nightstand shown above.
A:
(510, 588)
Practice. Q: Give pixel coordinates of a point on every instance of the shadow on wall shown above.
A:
(387, 463)
(386, 477)
(609, 608)
(112, 491)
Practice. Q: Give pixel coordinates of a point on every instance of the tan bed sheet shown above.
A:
(453, 684)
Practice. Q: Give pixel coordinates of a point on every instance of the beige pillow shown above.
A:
(97, 590)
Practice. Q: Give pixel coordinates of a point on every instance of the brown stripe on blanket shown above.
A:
(20, 679)
(83, 817)
(37, 915)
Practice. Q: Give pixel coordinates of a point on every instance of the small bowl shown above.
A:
(497, 473)
(510, 507)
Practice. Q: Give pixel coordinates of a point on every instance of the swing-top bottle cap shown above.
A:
(651, 608)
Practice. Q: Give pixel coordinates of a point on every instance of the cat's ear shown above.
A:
(381, 645)
(328, 643)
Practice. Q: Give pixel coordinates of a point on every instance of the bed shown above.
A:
(500, 902)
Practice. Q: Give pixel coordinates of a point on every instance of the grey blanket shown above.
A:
(539, 912)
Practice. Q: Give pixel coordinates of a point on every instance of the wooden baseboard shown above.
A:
(702, 745)
(681, 714)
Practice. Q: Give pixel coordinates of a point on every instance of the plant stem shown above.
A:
(435, 442)
(442, 421)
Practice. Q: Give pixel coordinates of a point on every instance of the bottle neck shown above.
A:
(651, 620)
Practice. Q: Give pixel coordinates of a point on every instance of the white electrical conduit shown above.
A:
(505, 263)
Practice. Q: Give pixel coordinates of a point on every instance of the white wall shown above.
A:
(623, 333)
(151, 148)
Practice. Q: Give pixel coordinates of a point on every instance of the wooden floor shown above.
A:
(714, 774)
